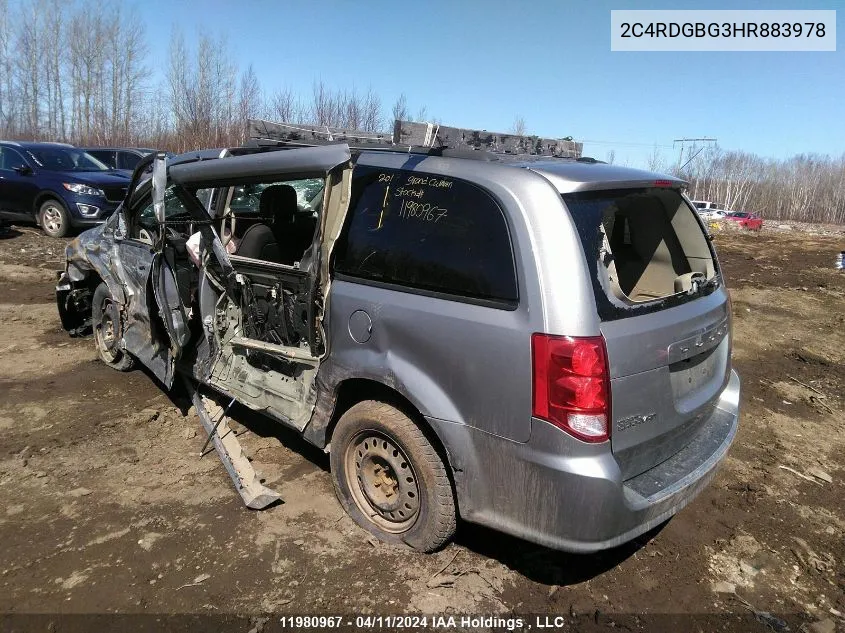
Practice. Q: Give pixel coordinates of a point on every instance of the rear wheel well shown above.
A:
(355, 390)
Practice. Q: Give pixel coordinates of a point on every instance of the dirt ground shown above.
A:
(105, 506)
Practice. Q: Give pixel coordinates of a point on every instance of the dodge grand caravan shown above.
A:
(542, 347)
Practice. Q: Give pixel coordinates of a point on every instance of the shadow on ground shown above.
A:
(8, 232)
(544, 565)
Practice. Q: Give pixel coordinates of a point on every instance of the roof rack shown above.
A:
(417, 138)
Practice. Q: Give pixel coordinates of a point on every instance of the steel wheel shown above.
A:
(390, 478)
(105, 331)
(105, 320)
(383, 483)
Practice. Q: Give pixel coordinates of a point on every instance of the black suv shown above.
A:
(58, 186)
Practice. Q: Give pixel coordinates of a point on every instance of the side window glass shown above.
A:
(207, 197)
(428, 232)
(104, 156)
(127, 160)
(146, 219)
(10, 159)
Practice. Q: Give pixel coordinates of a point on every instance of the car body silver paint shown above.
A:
(565, 494)
(570, 177)
(494, 446)
(467, 368)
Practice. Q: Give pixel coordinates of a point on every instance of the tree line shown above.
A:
(79, 72)
(806, 187)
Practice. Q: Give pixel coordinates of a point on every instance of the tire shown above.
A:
(390, 479)
(105, 320)
(54, 218)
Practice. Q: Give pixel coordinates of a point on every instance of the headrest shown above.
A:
(278, 203)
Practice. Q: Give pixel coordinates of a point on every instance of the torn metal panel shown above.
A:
(173, 313)
(335, 207)
(92, 251)
(254, 494)
(259, 335)
(142, 336)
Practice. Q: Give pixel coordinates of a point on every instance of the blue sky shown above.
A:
(482, 63)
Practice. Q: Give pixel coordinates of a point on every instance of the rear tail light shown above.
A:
(571, 385)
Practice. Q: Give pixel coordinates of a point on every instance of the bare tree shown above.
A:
(371, 115)
(611, 157)
(86, 57)
(203, 92)
(8, 103)
(323, 105)
(400, 108)
(129, 57)
(182, 100)
(656, 160)
(250, 101)
(352, 114)
(285, 107)
(28, 69)
(518, 126)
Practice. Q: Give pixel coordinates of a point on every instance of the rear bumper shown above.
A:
(556, 491)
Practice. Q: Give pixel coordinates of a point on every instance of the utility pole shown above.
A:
(694, 141)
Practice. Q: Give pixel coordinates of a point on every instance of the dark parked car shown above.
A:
(121, 158)
(58, 186)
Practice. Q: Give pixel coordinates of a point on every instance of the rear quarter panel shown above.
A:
(460, 362)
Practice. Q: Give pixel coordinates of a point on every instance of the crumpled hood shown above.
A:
(79, 249)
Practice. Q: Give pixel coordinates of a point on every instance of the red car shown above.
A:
(750, 221)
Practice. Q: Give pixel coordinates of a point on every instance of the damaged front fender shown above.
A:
(87, 263)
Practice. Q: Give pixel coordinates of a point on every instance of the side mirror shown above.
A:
(23, 170)
(159, 185)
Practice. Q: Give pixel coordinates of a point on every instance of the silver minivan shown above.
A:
(542, 347)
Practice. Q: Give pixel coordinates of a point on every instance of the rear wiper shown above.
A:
(700, 285)
(709, 284)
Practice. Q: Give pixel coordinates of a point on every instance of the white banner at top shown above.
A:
(728, 30)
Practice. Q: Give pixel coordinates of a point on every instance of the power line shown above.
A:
(626, 144)
(687, 140)
(694, 141)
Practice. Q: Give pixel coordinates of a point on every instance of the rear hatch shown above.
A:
(665, 317)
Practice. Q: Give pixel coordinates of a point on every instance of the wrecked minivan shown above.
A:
(538, 346)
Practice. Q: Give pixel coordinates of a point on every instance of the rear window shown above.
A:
(104, 156)
(430, 233)
(645, 248)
